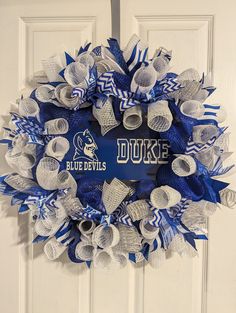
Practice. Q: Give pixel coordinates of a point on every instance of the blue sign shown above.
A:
(121, 153)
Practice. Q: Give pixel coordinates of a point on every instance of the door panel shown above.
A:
(31, 31)
(198, 34)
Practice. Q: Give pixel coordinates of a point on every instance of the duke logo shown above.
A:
(85, 146)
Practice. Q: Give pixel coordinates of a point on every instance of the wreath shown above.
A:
(117, 158)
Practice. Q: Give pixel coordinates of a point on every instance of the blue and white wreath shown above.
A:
(114, 220)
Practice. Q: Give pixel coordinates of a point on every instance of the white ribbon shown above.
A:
(54, 249)
(138, 210)
(144, 79)
(77, 74)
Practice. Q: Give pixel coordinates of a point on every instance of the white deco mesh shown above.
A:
(159, 116)
(113, 194)
(105, 116)
(138, 210)
(164, 197)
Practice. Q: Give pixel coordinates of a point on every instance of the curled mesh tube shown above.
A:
(130, 239)
(47, 172)
(58, 126)
(86, 227)
(159, 116)
(44, 93)
(66, 180)
(228, 198)
(57, 148)
(148, 231)
(189, 75)
(164, 197)
(43, 228)
(160, 65)
(65, 97)
(138, 210)
(103, 259)
(134, 40)
(144, 79)
(207, 157)
(203, 133)
(53, 249)
(85, 251)
(201, 95)
(192, 108)
(105, 116)
(28, 107)
(26, 161)
(86, 59)
(20, 183)
(76, 74)
(120, 257)
(184, 165)
(72, 205)
(113, 194)
(106, 236)
(132, 117)
(52, 67)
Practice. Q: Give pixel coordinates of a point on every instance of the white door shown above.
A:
(201, 35)
(29, 282)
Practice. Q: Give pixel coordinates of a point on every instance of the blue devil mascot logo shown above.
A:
(85, 146)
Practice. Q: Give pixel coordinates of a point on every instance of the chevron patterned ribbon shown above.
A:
(170, 85)
(28, 126)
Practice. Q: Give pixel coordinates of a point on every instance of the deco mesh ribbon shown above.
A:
(110, 222)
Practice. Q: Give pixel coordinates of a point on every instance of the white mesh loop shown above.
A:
(86, 59)
(76, 74)
(148, 231)
(138, 210)
(72, 205)
(159, 116)
(144, 79)
(86, 227)
(192, 108)
(44, 228)
(57, 148)
(132, 118)
(184, 165)
(103, 259)
(29, 107)
(54, 249)
(203, 133)
(134, 40)
(105, 116)
(64, 95)
(47, 172)
(189, 75)
(52, 67)
(58, 126)
(164, 197)
(20, 183)
(66, 180)
(106, 236)
(26, 161)
(113, 194)
(45, 93)
(161, 66)
(228, 198)
(85, 251)
(130, 239)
